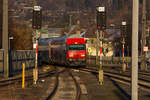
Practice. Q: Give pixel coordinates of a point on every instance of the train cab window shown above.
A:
(76, 47)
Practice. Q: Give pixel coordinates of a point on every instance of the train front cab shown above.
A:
(76, 51)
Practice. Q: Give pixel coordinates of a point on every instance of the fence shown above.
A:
(16, 59)
(1, 61)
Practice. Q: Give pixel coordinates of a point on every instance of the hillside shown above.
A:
(56, 13)
(67, 4)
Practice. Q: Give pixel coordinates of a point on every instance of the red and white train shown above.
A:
(68, 50)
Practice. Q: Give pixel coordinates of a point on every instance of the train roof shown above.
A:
(67, 36)
(75, 36)
(61, 39)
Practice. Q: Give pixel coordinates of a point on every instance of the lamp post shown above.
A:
(10, 38)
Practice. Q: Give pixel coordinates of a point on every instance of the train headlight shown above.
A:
(82, 55)
(70, 54)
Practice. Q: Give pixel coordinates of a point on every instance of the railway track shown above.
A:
(146, 72)
(54, 88)
(13, 80)
(72, 91)
(143, 83)
(143, 75)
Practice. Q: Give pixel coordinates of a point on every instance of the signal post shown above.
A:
(123, 35)
(101, 25)
(36, 25)
(101, 55)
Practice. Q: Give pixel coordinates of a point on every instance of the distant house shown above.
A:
(108, 46)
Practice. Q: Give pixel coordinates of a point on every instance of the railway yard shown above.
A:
(69, 83)
(75, 50)
(62, 68)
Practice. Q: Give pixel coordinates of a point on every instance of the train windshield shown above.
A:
(76, 47)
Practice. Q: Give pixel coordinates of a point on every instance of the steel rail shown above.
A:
(19, 79)
(143, 75)
(55, 87)
(52, 93)
(78, 92)
(125, 79)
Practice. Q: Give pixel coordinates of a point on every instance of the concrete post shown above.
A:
(135, 21)
(143, 65)
(5, 38)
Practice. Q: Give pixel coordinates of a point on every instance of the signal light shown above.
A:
(99, 27)
(34, 26)
(123, 29)
(101, 18)
(122, 35)
(37, 18)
